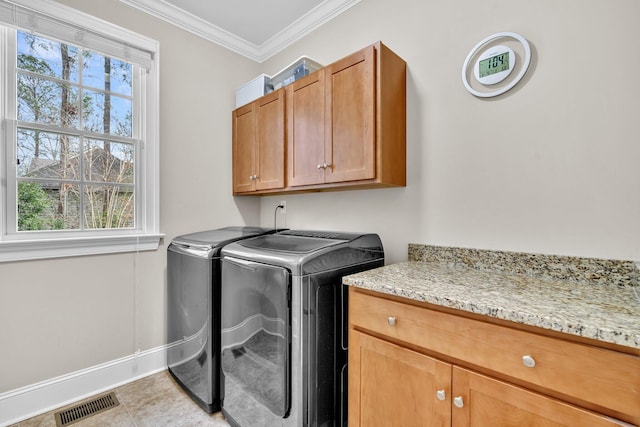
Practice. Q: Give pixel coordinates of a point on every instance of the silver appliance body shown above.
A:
(193, 310)
(284, 326)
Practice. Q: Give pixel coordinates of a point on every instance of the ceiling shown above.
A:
(257, 29)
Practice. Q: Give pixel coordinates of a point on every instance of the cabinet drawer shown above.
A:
(602, 377)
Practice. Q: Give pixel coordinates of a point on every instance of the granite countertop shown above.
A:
(584, 297)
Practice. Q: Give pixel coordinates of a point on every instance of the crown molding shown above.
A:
(195, 25)
(315, 18)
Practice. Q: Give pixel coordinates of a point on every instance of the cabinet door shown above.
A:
(489, 402)
(244, 142)
(305, 130)
(270, 141)
(351, 117)
(391, 386)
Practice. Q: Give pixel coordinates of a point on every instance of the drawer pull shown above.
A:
(528, 361)
(391, 320)
(441, 395)
(458, 402)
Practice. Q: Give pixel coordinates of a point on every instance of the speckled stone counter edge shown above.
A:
(575, 269)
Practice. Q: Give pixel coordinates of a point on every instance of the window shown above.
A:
(79, 117)
(76, 149)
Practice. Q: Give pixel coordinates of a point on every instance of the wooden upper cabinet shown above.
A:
(343, 126)
(347, 123)
(244, 143)
(270, 141)
(350, 108)
(305, 130)
(259, 145)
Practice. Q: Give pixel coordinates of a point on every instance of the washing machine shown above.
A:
(193, 310)
(285, 327)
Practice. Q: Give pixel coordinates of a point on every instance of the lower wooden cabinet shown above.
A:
(479, 400)
(396, 379)
(393, 386)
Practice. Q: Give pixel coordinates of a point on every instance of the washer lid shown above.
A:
(291, 243)
(209, 239)
(308, 252)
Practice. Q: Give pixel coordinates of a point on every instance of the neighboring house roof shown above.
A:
(40, 163)
(103, 167)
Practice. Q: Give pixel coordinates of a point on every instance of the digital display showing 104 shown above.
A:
(494, 64)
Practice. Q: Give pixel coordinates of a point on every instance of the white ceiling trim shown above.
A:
(315, 18)
(195, 25)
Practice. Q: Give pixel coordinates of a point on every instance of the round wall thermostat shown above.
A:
(496, 64)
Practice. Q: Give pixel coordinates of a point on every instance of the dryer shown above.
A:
(284, 326)
(193, 310)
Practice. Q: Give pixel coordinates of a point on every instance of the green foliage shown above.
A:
(33, 203)
(34, 209)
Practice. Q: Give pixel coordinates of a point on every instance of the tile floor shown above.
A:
(152, 401)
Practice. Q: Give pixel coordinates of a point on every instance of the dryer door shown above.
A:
(256, 333)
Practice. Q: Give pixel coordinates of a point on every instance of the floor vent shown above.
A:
(86, 409)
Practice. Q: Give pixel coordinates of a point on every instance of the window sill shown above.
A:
(24, 250)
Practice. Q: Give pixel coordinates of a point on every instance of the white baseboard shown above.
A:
(35, 399)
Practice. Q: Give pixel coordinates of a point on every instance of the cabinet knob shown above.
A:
(441, 395)
(458, 401)
(528, 361)
(321, 166)
(391, 320)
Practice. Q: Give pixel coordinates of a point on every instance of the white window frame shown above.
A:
(50, 244)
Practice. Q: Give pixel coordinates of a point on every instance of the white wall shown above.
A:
(62, 315)
(552, 167)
